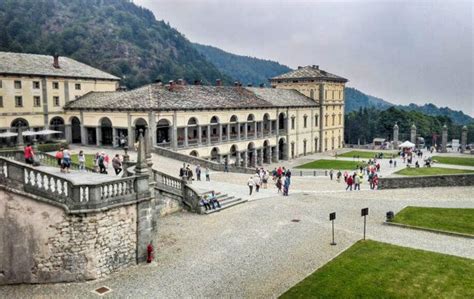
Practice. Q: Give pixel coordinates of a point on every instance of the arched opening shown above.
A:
(266, 124)
(140, 124)
(282, 149)
(75, 130)
(251, 154)
(304, 147)
(233, 127)
(193, 131)
(163, 133)
(281, 122)
(266, 152)
(214, 129)
(292, 150)
(233, 155)
(251, 126)
(194, 154)
(57, 124)
(19, 123)
(215, 154)
(106, 133)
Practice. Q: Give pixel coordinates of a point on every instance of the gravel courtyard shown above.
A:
(256, 250)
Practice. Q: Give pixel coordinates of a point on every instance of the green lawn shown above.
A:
(331, 164)
(372, 269)
(455, 160)
(431, 171)
(367, 154)
(455, 220)
(89, 160)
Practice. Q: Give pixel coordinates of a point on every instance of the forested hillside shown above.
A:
(355, 99)
(247, 70)
(370, 123)
(114, 35)
(458, 117)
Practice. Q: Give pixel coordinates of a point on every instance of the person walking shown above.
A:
(66, 160)
(117, 164)
(338, 176)
(207, 172)
(279, 185)
(190, 174)
(257, 182)
(346, 175)
(286, 186)
(390, 162)
(59, 158)
(198, 172)
(357, 182)
(250, 183)
(29, 154)
(226, 165)
(349, 182)
(331, 173)
(82, 160)
(101, 163)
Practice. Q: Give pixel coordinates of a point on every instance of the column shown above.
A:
(277, 155)
(246, 158)
(174, 133)
(255, 129)
(208, 134)
(98, 137)
(269, 154)
(261, 129)
(68, 133)
(260, 156)
(186, 136)
(254, 157)
(246, 129)
(395, 136)
(199, 135)
(237, 158)
(463, 139)
(220, 133)
(238, 131)
(228, 132)
(152, 128)
(83, 135)
(270, 127)
(444, 139)
(114, 137)
(413, 134)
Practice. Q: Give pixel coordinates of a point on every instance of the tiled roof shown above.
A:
(310, 72)
(159, 97)
(42, 65)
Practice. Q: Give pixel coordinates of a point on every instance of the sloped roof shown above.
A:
(42, 65)
(310, 72)
(189, 97)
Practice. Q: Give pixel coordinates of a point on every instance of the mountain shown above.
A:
(116, 36)
(355, 99)
(245, 69)
(458, 117)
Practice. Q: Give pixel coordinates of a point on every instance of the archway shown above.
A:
(266, 124)
(214, 129)
(266, 152)
(281, 121)
(193, 131)
(106, 133)
(140, 124)
(57, 124)
(215, 154)
(19, 123)
(194, 154)
(234, 127)
(163, 128)
(251, 154)
(75, 130)
(281, 149)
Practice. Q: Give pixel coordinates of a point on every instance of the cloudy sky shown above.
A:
(401, 51)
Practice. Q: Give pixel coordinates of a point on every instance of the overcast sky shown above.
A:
(401, 51)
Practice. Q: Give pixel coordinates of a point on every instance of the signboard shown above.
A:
(364, 212)
(332, 216)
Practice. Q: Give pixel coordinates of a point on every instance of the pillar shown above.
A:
(463, 139)
(114, 137)
(254, 157)
(209, 134)
(186, 136)
(68, 133)
(238, 131)
(413, 134)
(98, 136)
(246, 130)
(255, 126)
(237, 158)
(83, 135)
(199, 135)
(246, 159)
(228, 132)
(395, 136)
(19, 139)
(174, 133)
(269, 154)
(270, 127)
(444, 138)
(220, 132)
(260, 156)
(276, 155)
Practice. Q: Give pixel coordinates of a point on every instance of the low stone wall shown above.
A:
(427, 181)
(204, 163)
(42, 243)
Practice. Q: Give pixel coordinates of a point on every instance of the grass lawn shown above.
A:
(455, 220)
(367, 154)
(372, 269)
(455, 160)
(89, 160)
(331, 164)
(431, 171)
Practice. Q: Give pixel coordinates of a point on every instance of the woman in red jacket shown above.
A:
(349, 182)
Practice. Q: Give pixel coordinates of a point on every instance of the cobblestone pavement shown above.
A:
(255, 250)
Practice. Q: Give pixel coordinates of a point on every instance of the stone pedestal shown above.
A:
(463, 139)
(395, 136)
(413, 134)
(444, 139)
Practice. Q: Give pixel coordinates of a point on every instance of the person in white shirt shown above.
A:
(250, 183)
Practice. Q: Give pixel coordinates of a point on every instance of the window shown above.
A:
(55, 85)
(325, 94)
(17, 84)
(326, 121)
(1, 101)
(78, 86)
(292, 122)
(36, 85)
(1, 85)
(340, 119)
(311, 94)
(36, 101)
(18, 101)
(56, 101)
(333, 119)
(305, 121)
(316, 120)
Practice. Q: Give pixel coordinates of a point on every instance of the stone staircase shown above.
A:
(225, 201)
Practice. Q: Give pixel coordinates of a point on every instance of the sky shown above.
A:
(401, 51)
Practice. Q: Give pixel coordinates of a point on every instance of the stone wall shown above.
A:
(427, 181)
(41, 243)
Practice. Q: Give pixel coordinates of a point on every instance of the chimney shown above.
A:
(218, 82)
(56, 61)
(171, 87)
(300, 67)
(316, 67)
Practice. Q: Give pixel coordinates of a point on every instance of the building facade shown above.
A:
(35, 88)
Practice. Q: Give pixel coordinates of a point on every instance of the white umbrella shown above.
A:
(8, 134)
(47, 132)
(407, 144)
(29, 133)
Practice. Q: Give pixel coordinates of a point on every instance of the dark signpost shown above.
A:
(364, 212)
(332, 216)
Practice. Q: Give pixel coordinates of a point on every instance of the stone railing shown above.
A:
(195, 161)
(451, 180)
(298, 172)
(73, 197)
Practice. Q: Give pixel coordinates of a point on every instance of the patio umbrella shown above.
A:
(47, 132)
(29, 133)
(407, 144)
(8, 134)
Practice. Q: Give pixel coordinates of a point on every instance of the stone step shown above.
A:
(231, 203)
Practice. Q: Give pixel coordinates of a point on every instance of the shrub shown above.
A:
(51, 147)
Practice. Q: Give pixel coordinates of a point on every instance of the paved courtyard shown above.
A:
(255, 250)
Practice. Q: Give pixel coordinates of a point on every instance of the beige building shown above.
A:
(35, 88)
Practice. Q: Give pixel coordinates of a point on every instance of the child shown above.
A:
(82, 160)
